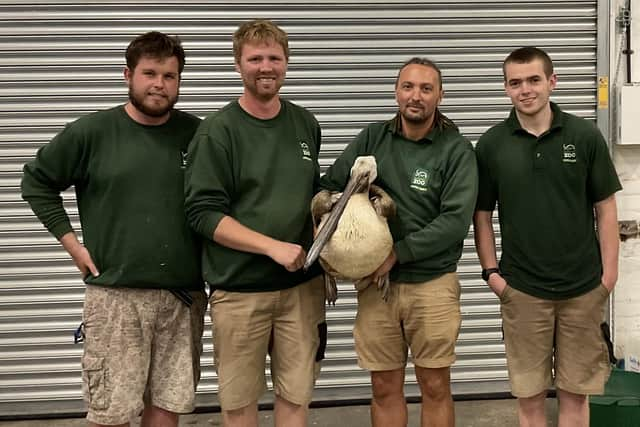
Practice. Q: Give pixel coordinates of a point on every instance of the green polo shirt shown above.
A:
(546, 188)
(434, 184)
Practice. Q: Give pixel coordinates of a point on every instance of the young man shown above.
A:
(142, 344)
(429, 170)
(252, 171)
(548, 171)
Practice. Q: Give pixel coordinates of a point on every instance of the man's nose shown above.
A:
(266, 64)
(158, 81)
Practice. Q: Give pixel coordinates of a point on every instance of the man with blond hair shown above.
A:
(550, 174)
(252, 170)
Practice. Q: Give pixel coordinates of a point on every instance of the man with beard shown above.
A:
(549, 172)
(429, 170)
(252, 170)
(144, 299)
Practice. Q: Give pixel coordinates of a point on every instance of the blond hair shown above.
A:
(259, 31)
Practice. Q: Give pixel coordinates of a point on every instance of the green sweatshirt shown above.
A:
(434, 184)
(262, 173)
(128, 180)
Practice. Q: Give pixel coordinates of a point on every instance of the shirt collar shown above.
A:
(556, 123)
(395, 127)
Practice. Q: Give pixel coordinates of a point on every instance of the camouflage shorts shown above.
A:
(142, 346)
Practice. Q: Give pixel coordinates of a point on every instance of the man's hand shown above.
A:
(288, 255)
(385, 267)
(497, 284)
(609, 280)
(83, 261)
(80, 255)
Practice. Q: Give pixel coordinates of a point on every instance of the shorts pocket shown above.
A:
(505, 293)
(605, 292)
(322, 344)
(94, 378)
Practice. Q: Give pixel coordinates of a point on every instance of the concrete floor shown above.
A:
(473, 413)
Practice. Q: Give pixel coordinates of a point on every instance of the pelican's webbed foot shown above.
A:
(384, 286)
(330, 289)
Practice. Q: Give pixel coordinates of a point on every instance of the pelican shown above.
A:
(353, 237)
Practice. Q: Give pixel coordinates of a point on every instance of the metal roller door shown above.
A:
(63, 59)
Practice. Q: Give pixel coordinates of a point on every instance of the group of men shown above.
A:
(168, 202)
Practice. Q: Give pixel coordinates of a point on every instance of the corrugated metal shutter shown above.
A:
(63, 59)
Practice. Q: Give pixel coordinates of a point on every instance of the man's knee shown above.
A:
(532, 403)
(434, 383)
(567, 397)
(386, 384)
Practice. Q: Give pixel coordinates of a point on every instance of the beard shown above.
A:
(152, 111)
(422, 116)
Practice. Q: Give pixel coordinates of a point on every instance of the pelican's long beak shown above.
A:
(355, 184)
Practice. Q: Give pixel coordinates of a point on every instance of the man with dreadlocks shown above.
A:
(429, 170)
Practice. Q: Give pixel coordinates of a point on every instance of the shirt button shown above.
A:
(538, 155)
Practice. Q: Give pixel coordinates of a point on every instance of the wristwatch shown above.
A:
(487, 272)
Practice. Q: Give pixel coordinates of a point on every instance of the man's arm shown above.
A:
(209, 189)
(80, 255)
(485, 240)
(57, 166)
(232, 234)
(608, 235)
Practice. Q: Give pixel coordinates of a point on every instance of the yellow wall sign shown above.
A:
(603, 92)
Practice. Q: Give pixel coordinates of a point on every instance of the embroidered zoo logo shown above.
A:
(306, 152)
(183, 155)
(420, 180)
(568, 153)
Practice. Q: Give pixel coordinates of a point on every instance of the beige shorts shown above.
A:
(288, 324)
(564, 337)
(142, 346)
(424, 317)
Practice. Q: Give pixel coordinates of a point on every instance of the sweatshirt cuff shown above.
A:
(211, 223)
(61, 229)
(403, 252)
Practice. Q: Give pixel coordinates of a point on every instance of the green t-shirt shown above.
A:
(434, 184)
(262, 173)
(128, 180)
(545, 188)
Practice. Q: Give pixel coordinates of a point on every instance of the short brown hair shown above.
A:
(259, 31)
(527, 54)
(154, 44)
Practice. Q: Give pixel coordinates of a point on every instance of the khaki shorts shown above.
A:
(424, 317)
(564, 335)
(288, 324)
(142, 346)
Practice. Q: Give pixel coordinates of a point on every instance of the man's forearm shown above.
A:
(234, 235)
(608, 237)
(485, 239)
